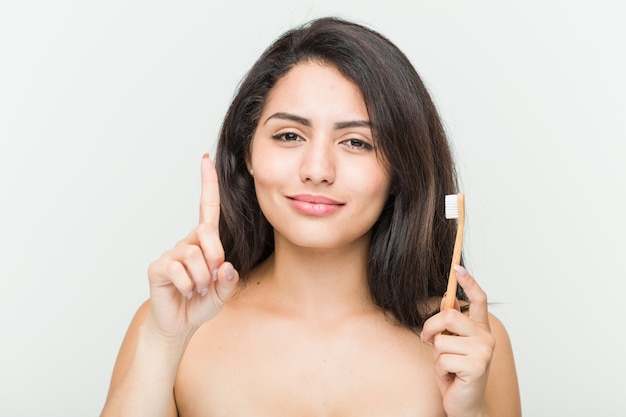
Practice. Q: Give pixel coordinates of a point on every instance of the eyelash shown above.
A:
(283, 136)
(357, 144)
(361, 144)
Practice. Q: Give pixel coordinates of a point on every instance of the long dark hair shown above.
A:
(412, 241)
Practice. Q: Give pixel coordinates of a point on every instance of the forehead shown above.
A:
(314, 87)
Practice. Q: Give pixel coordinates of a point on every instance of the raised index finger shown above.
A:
(209, 194)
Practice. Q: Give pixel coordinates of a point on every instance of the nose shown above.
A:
(318, 162)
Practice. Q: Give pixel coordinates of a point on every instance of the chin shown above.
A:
(321, 239)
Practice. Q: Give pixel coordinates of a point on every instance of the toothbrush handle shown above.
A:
(456, 255)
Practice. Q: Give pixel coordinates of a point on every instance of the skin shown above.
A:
(303, 337)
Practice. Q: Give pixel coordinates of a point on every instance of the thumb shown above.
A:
(227, 278)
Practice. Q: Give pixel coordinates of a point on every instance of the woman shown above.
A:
(312, 284)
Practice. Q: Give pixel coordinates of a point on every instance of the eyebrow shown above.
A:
(289, 116)
(306, 122)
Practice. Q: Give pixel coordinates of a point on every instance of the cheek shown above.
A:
(373, 198)
(271, 180)
(375, 183)
(379, 196)
(266, 159)
(271, 172)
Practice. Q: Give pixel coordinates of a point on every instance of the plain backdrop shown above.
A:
(107, 107)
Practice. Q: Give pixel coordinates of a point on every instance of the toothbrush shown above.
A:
(455, 209)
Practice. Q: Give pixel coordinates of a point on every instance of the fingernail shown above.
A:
(214, 274)
(229, 271)
(204, 291)
(189, 295)
(460, 270)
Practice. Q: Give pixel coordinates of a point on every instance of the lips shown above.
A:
(314, 205)
(314, 199)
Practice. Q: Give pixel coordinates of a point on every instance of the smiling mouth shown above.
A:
(315, 200)
(312, 205)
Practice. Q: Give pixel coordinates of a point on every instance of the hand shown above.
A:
(463, 348)
(190, 283)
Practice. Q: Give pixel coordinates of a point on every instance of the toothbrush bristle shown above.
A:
(452, 206)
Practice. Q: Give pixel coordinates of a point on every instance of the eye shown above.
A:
(358, 144)
(287, 137)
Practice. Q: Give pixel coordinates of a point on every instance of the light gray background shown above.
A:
(107, 107)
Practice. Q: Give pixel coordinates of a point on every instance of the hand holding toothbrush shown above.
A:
(463, 346)
(464, 343)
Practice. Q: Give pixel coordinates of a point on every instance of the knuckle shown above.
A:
(212, 249)
(154, 267)
(485, 350)
(481, 367)
(217, 256)
(443, 363)
(174, 268)
(449, 315)
(478, 297)
(190, 252)
(437, 341)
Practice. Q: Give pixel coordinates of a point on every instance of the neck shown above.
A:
(318, 283)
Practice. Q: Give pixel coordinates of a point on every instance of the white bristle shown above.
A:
(452, 206)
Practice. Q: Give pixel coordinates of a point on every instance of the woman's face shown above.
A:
(317, 175)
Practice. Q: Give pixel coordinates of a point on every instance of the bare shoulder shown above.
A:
(130, 342)
(498, 329)
(127, 350)
(502, 392)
